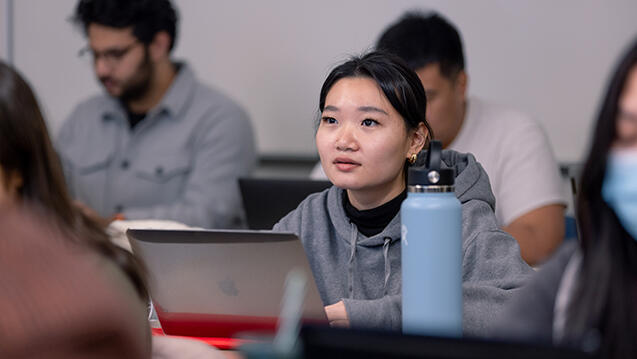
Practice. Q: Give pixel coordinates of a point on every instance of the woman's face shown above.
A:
(9, 186)
(627, 118)
(363, 142)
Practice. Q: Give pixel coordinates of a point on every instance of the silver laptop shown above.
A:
(217, 283)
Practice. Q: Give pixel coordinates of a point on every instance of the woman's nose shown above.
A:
(346, 139)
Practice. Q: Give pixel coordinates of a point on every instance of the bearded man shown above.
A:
(158, 144)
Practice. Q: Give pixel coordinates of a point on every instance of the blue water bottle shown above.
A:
(431, 245)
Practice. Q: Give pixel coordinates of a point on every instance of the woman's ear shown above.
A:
(11, 182)
(15, 182)
(418, 139)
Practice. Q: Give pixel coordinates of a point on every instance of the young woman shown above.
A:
(587, 294)
(372, 126)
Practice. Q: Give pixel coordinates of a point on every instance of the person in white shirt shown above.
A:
(512, 148)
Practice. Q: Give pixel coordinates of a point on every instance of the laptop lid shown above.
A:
(217, 283)
(267, 200)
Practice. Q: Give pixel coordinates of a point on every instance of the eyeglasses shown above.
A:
(111, 57)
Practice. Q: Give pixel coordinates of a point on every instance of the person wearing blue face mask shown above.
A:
(586, 295)
(620, 184)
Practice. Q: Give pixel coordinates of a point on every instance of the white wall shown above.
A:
(548, 58)
(3, 31)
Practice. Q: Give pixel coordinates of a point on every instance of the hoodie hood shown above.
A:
(471, 182)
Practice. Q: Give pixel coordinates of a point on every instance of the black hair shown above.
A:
(400, 85)
(421, 39)
(606, 289)
(26, 150)
(146, 17)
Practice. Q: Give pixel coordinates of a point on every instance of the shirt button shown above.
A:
(119, 208)
(125, 164)
(159, 171)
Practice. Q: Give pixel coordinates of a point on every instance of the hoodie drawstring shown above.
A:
(350, 274)
(386, 242)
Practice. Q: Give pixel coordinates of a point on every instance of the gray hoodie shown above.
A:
(365, 272)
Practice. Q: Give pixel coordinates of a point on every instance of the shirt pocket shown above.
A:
(87, 165)
(165, 169)
(88, 182)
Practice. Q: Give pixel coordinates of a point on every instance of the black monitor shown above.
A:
(267, 200)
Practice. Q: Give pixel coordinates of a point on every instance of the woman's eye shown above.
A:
(369, 122)
(329, 120)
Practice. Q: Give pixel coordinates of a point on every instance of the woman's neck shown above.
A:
(374, 197)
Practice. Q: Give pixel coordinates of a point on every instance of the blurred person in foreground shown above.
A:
(586, 295)
(67, 290)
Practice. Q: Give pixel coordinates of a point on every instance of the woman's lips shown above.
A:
(345, 164)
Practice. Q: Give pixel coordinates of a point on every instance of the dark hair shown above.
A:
(147, 17)
(399, 84)
(606, 288)
(26, 150)
(421, 39)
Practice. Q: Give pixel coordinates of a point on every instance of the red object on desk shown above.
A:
(213, 325)
(213, 329)
(219, 343)
(218, 330)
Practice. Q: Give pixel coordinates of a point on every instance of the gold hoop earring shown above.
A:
(412, 158)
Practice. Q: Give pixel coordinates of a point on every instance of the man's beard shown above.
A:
(139, 85)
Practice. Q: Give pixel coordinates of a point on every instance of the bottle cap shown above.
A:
(432, 173)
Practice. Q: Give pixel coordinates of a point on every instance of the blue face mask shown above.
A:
(620, 188)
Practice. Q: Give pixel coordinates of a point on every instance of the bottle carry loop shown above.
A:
(431, 177)
(434, 156)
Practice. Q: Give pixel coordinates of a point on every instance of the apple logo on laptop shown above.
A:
(228, 287)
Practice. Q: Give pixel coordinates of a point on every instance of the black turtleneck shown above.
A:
(372, 221)
(134, 118)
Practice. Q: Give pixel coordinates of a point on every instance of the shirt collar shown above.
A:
(179, 93)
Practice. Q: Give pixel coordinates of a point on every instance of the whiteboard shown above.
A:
(547, 58)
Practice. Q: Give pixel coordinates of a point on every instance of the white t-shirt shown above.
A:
(517, 156)
(514, 151)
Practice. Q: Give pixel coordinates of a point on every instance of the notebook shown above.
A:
(266, 201)
(219, 283)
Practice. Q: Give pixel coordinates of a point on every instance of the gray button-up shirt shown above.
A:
(181, 162)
